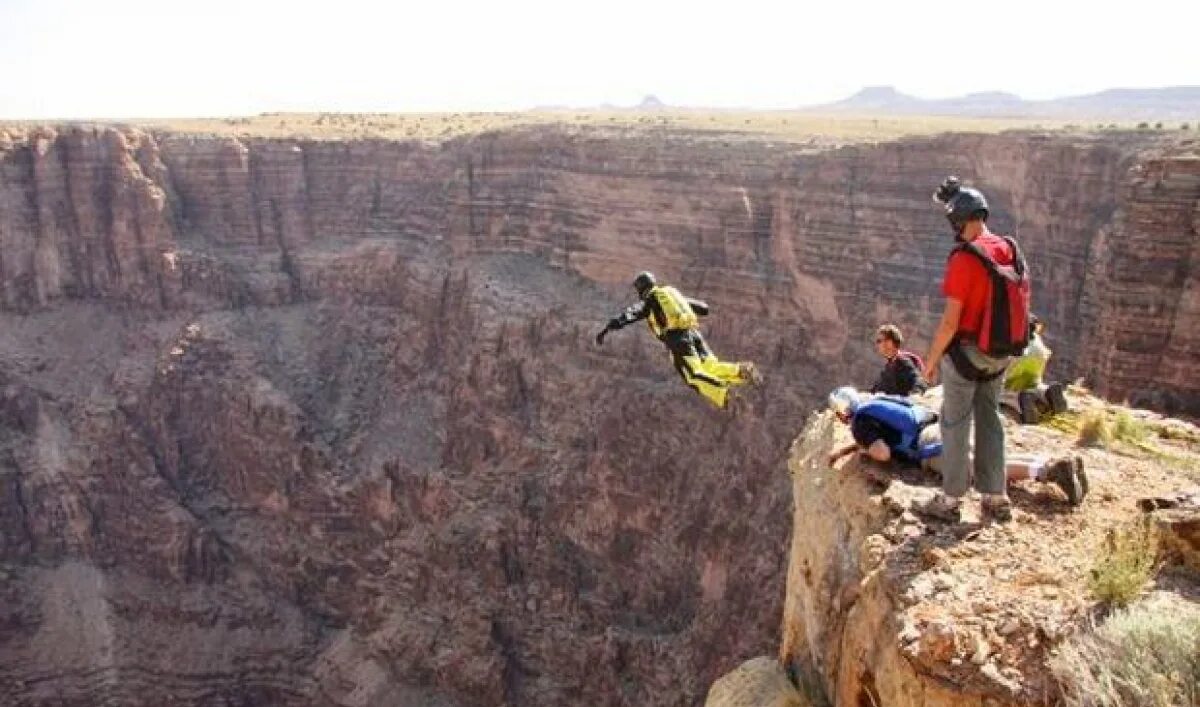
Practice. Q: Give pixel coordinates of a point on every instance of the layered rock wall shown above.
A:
(829, 242)
(1143, 337)
(335, 405)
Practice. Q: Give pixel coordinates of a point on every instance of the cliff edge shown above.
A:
(885, 607)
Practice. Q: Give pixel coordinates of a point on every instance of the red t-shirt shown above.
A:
(967, 280)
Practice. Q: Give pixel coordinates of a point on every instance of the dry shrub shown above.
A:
(1146, 655)
(1129, 429)
(1094, 429)
(1126, 563)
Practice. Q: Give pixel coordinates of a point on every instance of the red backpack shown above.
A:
(1005, 329)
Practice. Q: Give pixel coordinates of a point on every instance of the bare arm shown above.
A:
(878, 451)
(840, 452)
(942, 338)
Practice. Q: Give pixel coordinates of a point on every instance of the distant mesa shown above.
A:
(1171, 103)
(878, 97)
(651, 102)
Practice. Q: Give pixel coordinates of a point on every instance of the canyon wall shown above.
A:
(836, 237)
(322, 422)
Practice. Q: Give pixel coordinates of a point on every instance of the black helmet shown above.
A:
(962, 203)
(643, 282)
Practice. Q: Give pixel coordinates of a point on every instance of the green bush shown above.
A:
(1148, 655)
(1126, 563)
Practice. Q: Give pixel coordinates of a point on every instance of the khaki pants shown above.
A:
(966, 404)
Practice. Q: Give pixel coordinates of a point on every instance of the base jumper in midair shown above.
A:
(673, 319)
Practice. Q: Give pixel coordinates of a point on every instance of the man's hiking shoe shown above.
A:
(1062, 473)
(997, 507)
(1027, 402)
(749, 372)
(942, 507)
(1057, 398)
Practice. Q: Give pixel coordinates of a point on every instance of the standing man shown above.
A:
(985, 319)
(901, 374)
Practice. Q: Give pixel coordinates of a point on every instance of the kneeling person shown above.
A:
(1024, 387)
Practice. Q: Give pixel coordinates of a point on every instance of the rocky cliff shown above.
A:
(886, 607)
(321, 422)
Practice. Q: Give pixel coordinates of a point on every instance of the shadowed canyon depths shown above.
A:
(321, 422)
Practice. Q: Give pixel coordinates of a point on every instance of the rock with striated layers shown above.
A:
(1145, 338)
(823, 245)
(330, 414)
(84, 215)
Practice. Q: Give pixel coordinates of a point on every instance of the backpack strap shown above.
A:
(1013, 273)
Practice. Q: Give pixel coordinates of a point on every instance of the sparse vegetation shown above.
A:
(1127, 561)
(1148, 654)
(801, 127)
(1094, 429)
(1128, 429)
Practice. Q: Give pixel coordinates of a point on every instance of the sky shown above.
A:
(64, 59)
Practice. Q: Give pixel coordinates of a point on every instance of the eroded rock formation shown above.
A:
(321, 422)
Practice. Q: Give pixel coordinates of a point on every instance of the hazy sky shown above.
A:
(152, 58)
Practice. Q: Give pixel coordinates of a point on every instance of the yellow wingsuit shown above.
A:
(673, 319)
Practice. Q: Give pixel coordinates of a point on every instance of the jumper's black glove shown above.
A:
(613, 325)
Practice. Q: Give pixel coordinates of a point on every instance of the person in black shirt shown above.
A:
(901, 374)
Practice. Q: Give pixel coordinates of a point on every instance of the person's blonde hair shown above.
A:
(892, 332)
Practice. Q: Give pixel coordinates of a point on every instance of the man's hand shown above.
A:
(600, 336)
(930, 373)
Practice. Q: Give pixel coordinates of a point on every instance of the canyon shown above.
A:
(300, 421)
